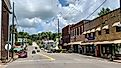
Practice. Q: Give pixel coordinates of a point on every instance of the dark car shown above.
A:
(38, 50)
(22, 54)
(33, 52)
(35, 47)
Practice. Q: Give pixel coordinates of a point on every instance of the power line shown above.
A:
(88, 8)
(96, 9)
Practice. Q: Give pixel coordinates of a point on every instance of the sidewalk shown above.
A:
(118, 61)
(1, 65)
(99, 58)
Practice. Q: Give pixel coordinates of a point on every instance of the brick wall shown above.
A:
(110, 19)
(66, 34)
(4, 30)
(79, 37)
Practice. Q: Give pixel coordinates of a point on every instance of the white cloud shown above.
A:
(32, 15)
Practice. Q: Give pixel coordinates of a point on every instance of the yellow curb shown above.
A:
(47, 57)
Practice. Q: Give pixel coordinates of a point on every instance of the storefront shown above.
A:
(88, 48)
(107, 49)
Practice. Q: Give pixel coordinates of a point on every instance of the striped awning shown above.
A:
(98, 29)
(74, 43)
(105, 27)
(116, 24)
(84, 32)
(93, 30)
(87, 43)
(88, 31)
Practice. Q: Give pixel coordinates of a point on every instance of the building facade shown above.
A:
(4, 24)
(98, 37)
(65, 36)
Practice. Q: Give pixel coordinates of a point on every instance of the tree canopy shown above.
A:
(104, 11)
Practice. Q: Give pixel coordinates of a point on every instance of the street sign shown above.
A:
(8, 46)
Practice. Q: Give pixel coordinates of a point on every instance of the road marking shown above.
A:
(47, 56)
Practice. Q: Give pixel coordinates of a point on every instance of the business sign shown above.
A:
(91, 38)
(8, 46)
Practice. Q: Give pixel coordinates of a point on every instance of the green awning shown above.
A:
(17, 49)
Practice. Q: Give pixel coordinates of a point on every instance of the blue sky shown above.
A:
(36, 16)
(63, 2)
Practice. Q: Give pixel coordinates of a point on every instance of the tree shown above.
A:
(104, 11)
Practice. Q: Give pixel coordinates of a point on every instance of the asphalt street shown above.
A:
(60, 60)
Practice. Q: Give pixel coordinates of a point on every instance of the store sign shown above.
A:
(91, 38)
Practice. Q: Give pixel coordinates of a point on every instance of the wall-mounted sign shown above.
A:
(91, 38)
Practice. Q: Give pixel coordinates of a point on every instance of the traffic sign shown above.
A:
(8, 46)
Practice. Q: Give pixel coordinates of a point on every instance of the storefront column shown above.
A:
(84, 49)
(112, 54)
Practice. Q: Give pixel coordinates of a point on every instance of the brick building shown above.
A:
(99, 37)
(4, 24)
(76, 35)
(66, 36)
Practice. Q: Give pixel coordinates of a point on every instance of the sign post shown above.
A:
(8, 47)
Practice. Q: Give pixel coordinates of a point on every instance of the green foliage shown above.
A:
(48, 35)
(40, 36)
(104, 11)
(29, 41)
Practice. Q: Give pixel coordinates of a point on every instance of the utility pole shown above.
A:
(58, 32)
(23, 38)
(12, 29)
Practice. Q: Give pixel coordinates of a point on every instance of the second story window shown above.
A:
(89, 35)
(107, 31)
(77, 31)
(118, 29)
(99, 32)
(93, 34)
(85, 35)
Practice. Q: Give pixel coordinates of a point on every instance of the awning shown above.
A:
(88, 31)
(104, 42)
(116, 41)
(116, 24)
(74, 43)
(98, 29)
(105, 27)
(18, 49)
(87, 43)
(65, 44)
(84, 32)
(93, 30)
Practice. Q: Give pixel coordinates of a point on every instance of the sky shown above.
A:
(36, 16)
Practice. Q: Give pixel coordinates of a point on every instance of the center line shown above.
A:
(47, 57)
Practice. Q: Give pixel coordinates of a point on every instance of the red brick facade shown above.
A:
(4, 28)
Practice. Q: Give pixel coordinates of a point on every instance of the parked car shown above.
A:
(22, 54)
(33, 52)
(49, 51)
(38, 50)
(35, 47)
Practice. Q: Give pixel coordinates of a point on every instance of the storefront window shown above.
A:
(118, 49)
(89, 34)
(85, 35)
(99, 32)
(77, 31)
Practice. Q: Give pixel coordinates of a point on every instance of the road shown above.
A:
(60, 60)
